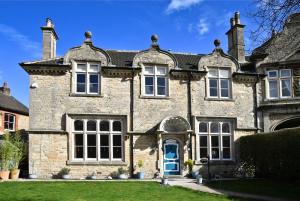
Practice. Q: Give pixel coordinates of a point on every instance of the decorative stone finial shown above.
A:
(154, 38)
(217, 43)
(49, 22)
(88, 36)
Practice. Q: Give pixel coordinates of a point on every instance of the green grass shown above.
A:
(89, 191)
(278, 189)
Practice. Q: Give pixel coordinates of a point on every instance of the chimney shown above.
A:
(4, 89)
(235, 35)
(49, 40)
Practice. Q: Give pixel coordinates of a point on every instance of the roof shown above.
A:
(9, 103)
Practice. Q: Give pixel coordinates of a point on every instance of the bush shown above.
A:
(273, 155)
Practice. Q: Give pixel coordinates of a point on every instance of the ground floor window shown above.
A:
(215, 140)
(97, 140)
(9, 121)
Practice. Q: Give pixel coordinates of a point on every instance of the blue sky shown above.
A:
(182, 26)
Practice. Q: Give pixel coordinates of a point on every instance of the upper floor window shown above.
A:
(87, 78)
(218, 83)
(155, 81)
(279, 83)
(9, 121)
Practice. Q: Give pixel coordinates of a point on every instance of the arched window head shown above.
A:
(104, 126)
(78, 125)
(117, 126)
(91, 125)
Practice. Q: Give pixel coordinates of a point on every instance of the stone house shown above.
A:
(95, 110)
(13, 114)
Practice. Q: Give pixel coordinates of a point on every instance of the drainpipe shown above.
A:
(190, 111)
(131, 119)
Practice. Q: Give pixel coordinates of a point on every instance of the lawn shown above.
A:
(81, 191)
(278, 189)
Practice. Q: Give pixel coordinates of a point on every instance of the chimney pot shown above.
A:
(237, 18)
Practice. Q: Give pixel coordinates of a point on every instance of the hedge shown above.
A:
(273, 155)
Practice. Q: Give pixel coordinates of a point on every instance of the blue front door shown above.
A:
(171, 158)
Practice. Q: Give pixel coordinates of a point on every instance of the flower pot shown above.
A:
(14, 174)
(164, 181)
(4, 175)
(199, 179)
(66, 176)
(141, 175)
(93, 177)
(32, 176)
(123, 176)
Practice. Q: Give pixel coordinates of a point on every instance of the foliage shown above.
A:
(20, 149)
(6, 152)
(273, 155)
(122, 170)
(190, 164)
(64, 171)
(114, 174)
(140, 163)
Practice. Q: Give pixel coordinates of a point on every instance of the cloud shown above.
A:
(200, 28)
(20, 39)
(176, 5)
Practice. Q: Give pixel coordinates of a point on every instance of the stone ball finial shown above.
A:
(154, 38)
(88, 35)
(217, 43)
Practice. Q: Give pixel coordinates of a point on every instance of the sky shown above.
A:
(188, 26)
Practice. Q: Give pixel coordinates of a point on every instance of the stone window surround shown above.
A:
(74, 77)
(231, 122)
(212, 98)
(279, 87)
(5, 122)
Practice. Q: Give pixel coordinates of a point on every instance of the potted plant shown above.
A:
(141, 174)
(64, 173)
(189, 164)
(93, 176)
(6, 153)
(122, 173)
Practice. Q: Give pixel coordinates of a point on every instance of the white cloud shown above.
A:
(176, 5)
(202, 27)
(20, 39)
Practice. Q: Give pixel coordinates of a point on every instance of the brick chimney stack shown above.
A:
(4, 89)
(49, 40)
(236, 45)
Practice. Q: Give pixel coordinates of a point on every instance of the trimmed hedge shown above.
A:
(273, 155)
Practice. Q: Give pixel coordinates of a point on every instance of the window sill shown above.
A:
(217, 162)
(219, 99)
(104, 163)
(85, 95)
(154, 97)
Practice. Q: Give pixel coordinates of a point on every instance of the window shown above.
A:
(218, 83)
(280, 83)
(98, 140)
(87, 78)
(9, 121)
(215, 140)
(155, 81)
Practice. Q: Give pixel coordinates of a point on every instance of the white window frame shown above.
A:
(219, 78)
(209, 135)
(110, 133)
(279, 80)
(155, 76)
(14, 121)
(87, 74)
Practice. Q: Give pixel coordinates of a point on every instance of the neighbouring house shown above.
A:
(13, 114)
(95, 110)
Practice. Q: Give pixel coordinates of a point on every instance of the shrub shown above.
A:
(189, 163)
(273, 155)
(64, 171)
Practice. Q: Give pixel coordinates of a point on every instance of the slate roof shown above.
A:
(9, 103)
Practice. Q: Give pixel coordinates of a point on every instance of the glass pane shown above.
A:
(78, 152)
(6, 117)
(94, 88)
(78, 139)
(149, 70)
(214, 128)
(11, 126)
(94, 78)
(117, 126)
(203, 141)
(203, 152)
(224, 93)
(224, 73)
(104, 141)
(117, 152)
(91, 125)
(213, 83)
(212, 73)
(225, 128)
(214, 141)
(224, 84)
(91, 152)
(203, 127)
(80, 82)
(117, 140)
(286, 87)
(285, 73)
(104, 126)
(94, 68)
(80, 87)
(78, 125)
(11, 118)
(161, 90)
(215, 153)
(161, 81)
(226, 141)
(149, 90)
(6, 125)
(149, 81)
(226, 153)
(161, 70)
(104, 152)
(272, 74)
(91, 140)
(213, 88)
(81, 67)
(273, 88)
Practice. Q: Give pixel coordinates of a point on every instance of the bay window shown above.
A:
(155, 81)
(219, 83)
(87, 78)
(279, 83)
